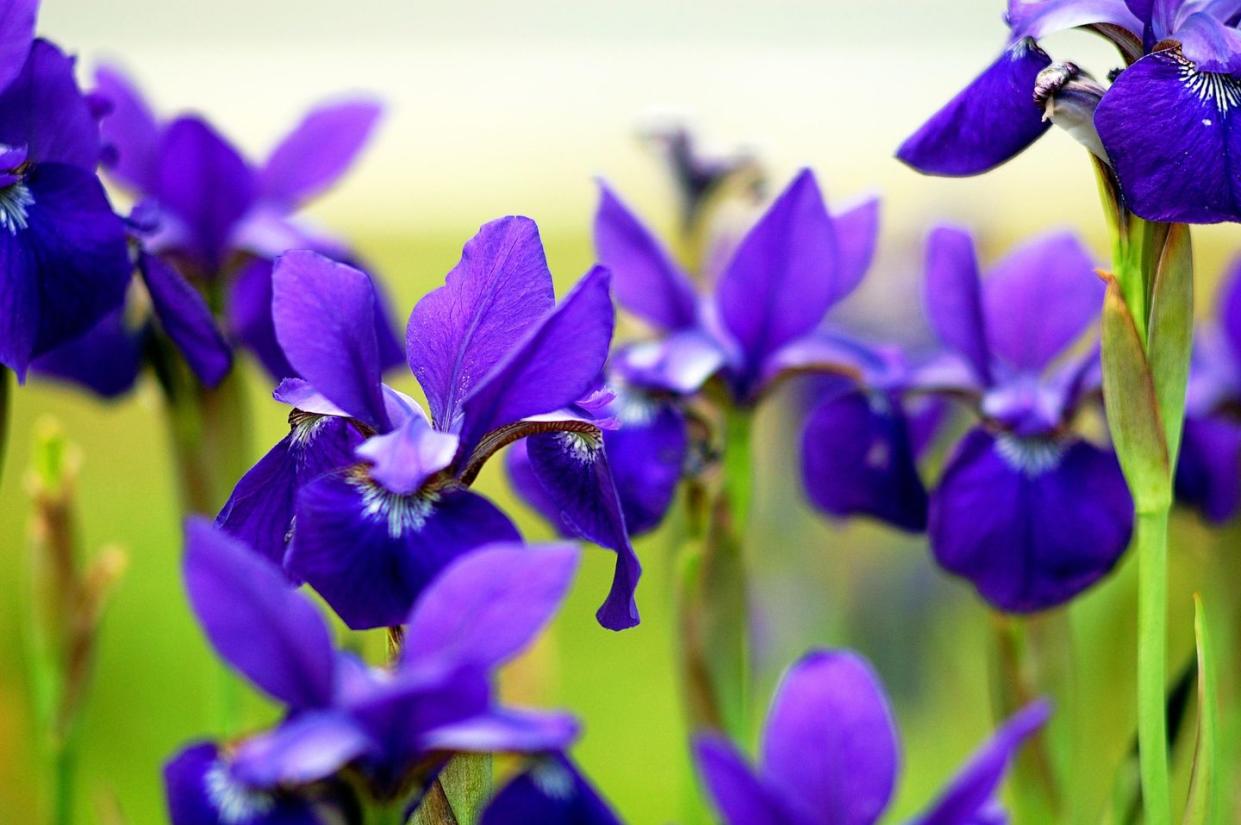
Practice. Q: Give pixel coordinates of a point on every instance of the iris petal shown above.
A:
(551, 791)
(318, 151)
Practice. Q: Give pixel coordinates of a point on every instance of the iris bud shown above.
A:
(1069, 97)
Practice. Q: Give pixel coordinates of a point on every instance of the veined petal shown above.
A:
(370, 553)
(186, 319)
(648, 283)
(492, 298)
(405, 458)
(784, 275)
(574, 471)
(201, 790)
(829, 744)
(130, 131)
(105, 360)
(16, 34)
(1030, 523)
(318, 151)
(325, 321)
(990, 121)
(739, 795)
(953, 297)
(1174, 139)
(259, 511)
(549, 791)
(971, 794)
(207, 185)
(857, 459)
(556, 363)
(43, 110)
(255, 621)
(485, 608)
(1208, 472)
(1039, 299)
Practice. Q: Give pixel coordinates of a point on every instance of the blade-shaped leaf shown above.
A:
(1202, 806)
(1171, 331)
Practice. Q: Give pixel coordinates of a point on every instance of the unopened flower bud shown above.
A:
(1069, 97)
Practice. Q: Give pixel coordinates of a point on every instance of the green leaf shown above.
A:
(1171, 332)
(1133, 415)
(1201, 807)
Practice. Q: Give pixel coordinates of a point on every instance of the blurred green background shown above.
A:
(512, 108)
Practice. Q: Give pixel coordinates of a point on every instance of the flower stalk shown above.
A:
(6, 391)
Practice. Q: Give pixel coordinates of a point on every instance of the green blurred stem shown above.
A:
(1152, 547)
(6, 390)
(458, 795)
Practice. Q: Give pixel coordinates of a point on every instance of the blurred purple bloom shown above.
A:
(64, 263)
(549, 791)
(1167, 125)
(1208, 474)
(498, 360)
(393, 727)
(829, 755)
(1027, 511)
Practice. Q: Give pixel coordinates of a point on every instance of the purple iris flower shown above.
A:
(830, 755)
(1168, 125)
(377, 488)
(1208, 474)
(550, 791)
(1026, 510)
(64, 262)
(391, 727)
(210, 224)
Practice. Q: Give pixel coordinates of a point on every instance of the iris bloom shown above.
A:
(760, 319)
(1168, 124)
(550, 791)
(391, 728)
(1208, 474)
(210, 224)
(1026, 510)
(372, 490)
(830, 755)
(64, 263)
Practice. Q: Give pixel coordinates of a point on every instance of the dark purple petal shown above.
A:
(318, 151)
(186, 319)
(106, 360)
(207, 186)
(857, 459)
(857, 232)
(260, 509)
(255, 621)
(201, 790)
(488, 606)
(43, 110)
(325, 321)
(16, 34)
(678, 363)
(971, 794)
(490, 300)
(65, 270)
(369, 552)
(829, 744)
(505, 731)
(405, 458)
(250, 320)
(1039, 18)
(648, 283)
(310, 746)
(647, 454)
(1039, 299)
(1174, 141)
(550, 791)
(129, 130)
(528, 487)
(784, 274)
(574, 471)
(1029, 522)
(990, 121)
(953, 298)
(556, 363)
(1208, 473)
(740, 797)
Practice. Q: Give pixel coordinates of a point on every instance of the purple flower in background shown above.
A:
(700, 176)
(377, 488)
(829, 755)
(210, 224)
(392, 727)
(1026, 510)
(550, 791)
(1208, 473)
(65, 260)
(1167, 125)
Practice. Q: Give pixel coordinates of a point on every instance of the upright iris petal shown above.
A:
(990, 121)
(317, 152)
(16, 33)
(954, 298)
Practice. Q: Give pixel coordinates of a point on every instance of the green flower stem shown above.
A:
(1152, 547)
(459, 794)
(714, 603)
(6, 390)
